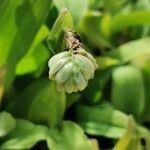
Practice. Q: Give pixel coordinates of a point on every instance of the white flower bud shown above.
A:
(72, 69)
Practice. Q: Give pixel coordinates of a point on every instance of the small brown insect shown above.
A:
(73, 39)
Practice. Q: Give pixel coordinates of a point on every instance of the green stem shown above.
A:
(57, 26)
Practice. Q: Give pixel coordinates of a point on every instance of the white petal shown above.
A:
(69, 86)
(55, 67)
(57, 57)
(64, 73)
(92, 59)
(87, 64)
(79, 81)
(84, 70)
(88, 55)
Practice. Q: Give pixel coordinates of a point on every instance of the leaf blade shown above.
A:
(5, 125)
(25, 31)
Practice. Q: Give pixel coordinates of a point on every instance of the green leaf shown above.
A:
(8, 27)
(21, 104)
(2, 74)
(48, 105)
(28, 24)
(7, 123)
(72, 98)
(94, 35)
(143, 5)
(146, 78)
(55, 38)
(114, 6)
(145, 134)
(93, 93)
(40, 37)
(69, 137)
(26, 65)
(24, 136)
(132, 50)
(128, 90)
(40, 102)
(77, 8)
(36, 56)
(120, 21)
(105, 25)
(101, 120)
(131, 138)
(107, 62)
(32, 62)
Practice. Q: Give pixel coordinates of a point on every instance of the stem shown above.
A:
(59, 21)
(51, 41)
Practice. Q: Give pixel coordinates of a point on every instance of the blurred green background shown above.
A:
(113, 112)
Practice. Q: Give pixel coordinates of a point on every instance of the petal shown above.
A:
(64, 73)
(88, 55)
(57, 57)
(84, 70)
(92, 59)
(59, 64)
(88, 65)
(79, 81)
(69, 86)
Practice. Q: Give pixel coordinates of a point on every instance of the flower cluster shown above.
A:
(72, 69)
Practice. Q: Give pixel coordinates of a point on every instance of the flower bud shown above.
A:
(72, 69)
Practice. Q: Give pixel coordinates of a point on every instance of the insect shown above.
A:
(72, 68)
(73, 40)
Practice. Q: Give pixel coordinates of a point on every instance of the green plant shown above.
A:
(112, 107)
(73, 68)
